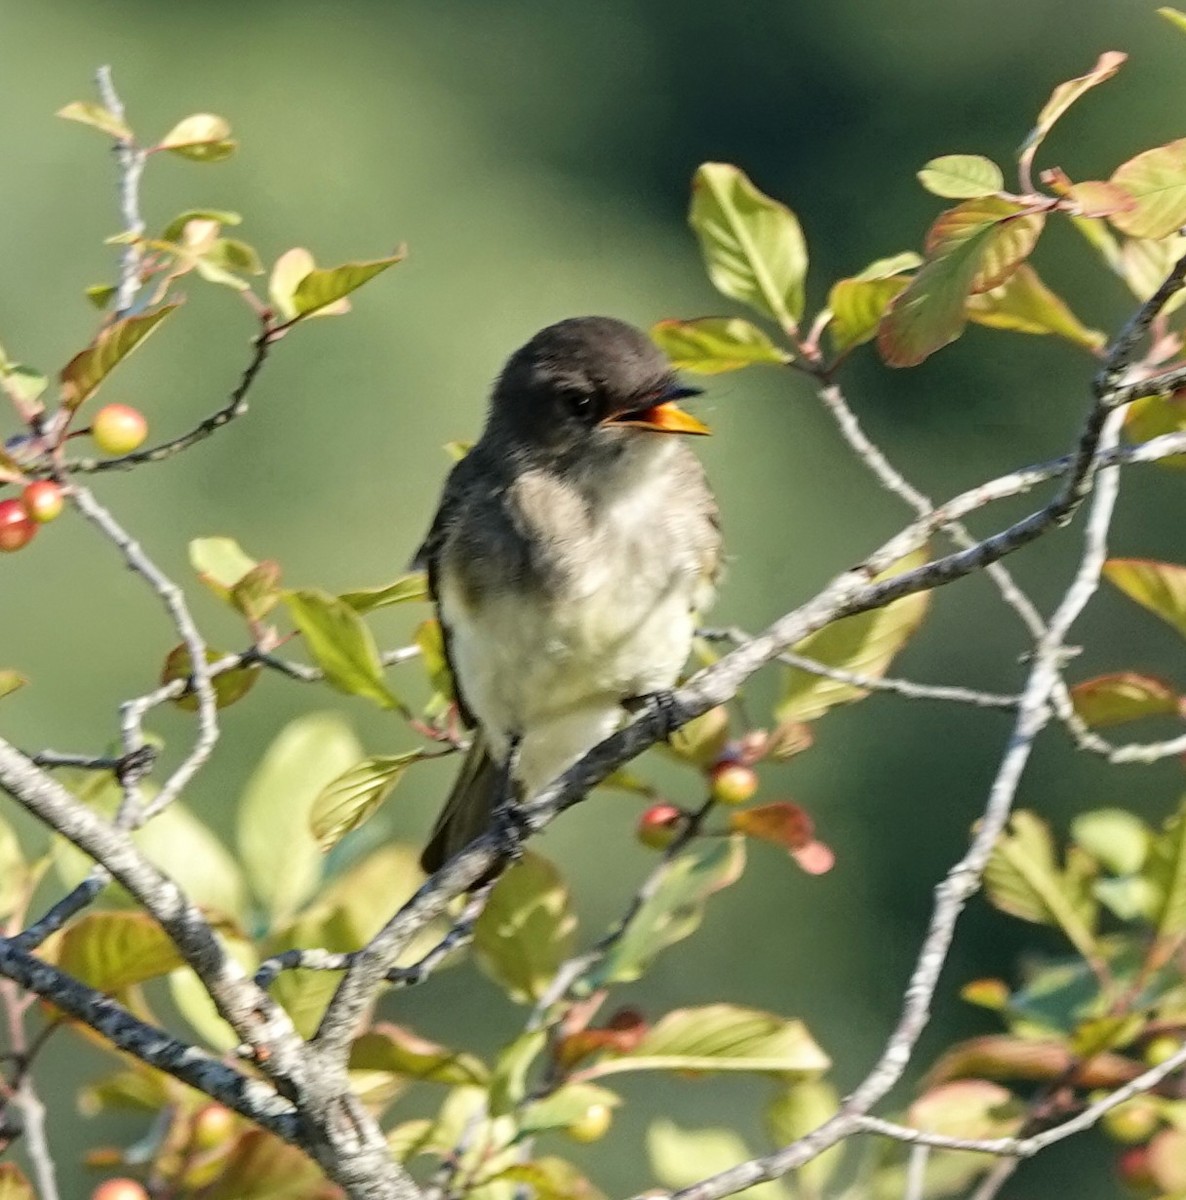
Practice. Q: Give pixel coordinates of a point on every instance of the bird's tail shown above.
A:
(467, 812)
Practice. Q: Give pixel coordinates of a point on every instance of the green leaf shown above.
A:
(702, 739)
(23, 383)
(13, 1184)
(1158, 586)
(752, 245)
(1024, 304)
(89, 112)
(345, 916)
(1114, 837)
(1023, 878)
(220, 563)
(509, 1084)
(101, 294)
(193, 1001)
(176, 227)
(325, 286)
(1156, 180)
(550, 1178)
(683, 1157)
(1144, 264)
(262, 1167)
(711, 345)
(1122, 697)
(1065, 95)
(858, 307)
(257, 592)
(186, 850)
(228, 686)
(413, 586)
(961, 176)
(1167, 872)
(276, 805)
(561, 1108)
(795, 1112)
(864, 644)
(970, 248)
(82, 375)
(15, 878)
(111, 951)
(201, 137)
(387, 1047)
(10, 681)
(526, 930)
(721, 1037)
(1174, 17)
(1151, 416)
(341, 644)
(967, 1108)
(673, 909)
(353, 798)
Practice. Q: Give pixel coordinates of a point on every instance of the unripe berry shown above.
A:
(592, 1126)
(42, 500)
(213, 1124)
(659, 825)
(1161, 1048)
(732, 783)
(119, 1189)
(16, 526)
(1133, 1121)
(119, 429)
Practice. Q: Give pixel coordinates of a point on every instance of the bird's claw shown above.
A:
(664, 708)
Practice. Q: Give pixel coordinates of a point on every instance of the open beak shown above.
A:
(665, 416)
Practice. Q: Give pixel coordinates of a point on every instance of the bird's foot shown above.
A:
(663, 708)
(511, 829)
(508, 822)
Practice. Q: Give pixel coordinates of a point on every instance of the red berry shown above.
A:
(1134, 1168)
(16, 526)
(119, 429)
(43, 500)
(119, 1189)
(659, 825)
(732, 783)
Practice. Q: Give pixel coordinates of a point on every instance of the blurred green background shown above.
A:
(536, 157)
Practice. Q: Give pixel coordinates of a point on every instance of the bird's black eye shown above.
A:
(582, 405)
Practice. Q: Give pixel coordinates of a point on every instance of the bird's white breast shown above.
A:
(554, 669)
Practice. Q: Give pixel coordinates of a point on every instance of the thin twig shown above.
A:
(173, 599)
(131, 166)
(906, 688)
(236, 406)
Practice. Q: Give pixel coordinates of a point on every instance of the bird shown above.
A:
(572, 550)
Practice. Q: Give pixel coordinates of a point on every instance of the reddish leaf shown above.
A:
(1065, 95)
(970, 248)
(1124, 696)
(1097, 198)
(1014, 235)
(82, 375)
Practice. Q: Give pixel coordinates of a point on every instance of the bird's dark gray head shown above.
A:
(588, 378)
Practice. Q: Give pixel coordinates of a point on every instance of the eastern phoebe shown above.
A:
(573, 548)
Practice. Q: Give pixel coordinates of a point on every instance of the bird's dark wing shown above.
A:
(454, 498)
